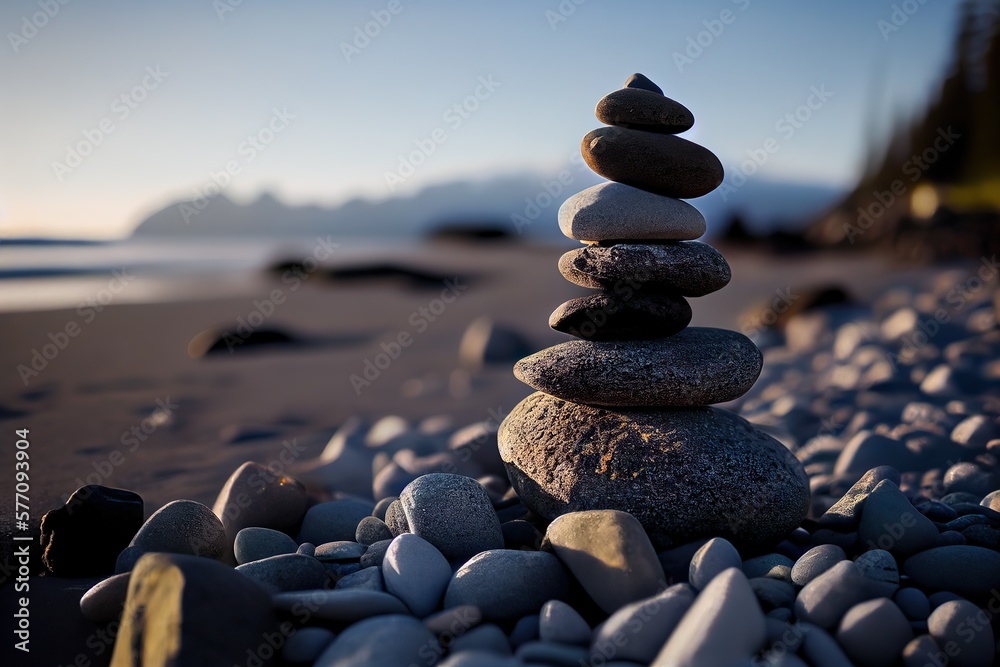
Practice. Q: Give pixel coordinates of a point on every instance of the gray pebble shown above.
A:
(288, 572)
(382, 641)
(348, 605)
(964, 569)
(371, 530)
(257, 543)
(963, 625)
(773, 593)
(846, 512)
(452, 623)
(183, 527)
(104, 602)
(306, 644)
(524, 630)
(333, 521)
(639, 630)
(714, 557)
(815, 562)
(507, 585)
(595, 214)
(561, 624)
(880, 567)
(773, 566)
(874, 633)
(820, 649)
(395, 519)
(890, 522)
(550, 653)
(921, 651)
(913, 603)
(369, 579)
(342, 550)
(416, 573)
(827, 598)
(375, 554)
(487, 638)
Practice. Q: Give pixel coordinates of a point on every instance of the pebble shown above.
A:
(224, 614)
(257, 543)
(815, 562)
(605, 316)
(825, 599)
(183, 527)
(333, 521)
(639, 630)
(845, 514)
(913, 603)
(341, 551)
(609, 553)
(84, 537)
(773, 593)
(595, 214)
(820, 649)
(340, 605)
(880, 568)
(967, 570)
(772, 566)
(920, 652)
(395, 519)
(375, 554)
(642, 82)
(306, 644)
(891, 523)
(965, 633)
(369, 579)
(874, 633)
(487, 638)
(454, 622)
(371, 530)
(660, 163)
(867, 450)
(104, 602)
(696, 367)
(561, 624)
(975, 432)
(971, 478)
(686, 268)
(289, 572)
(381, 506)
(549, 653)
(416, 573)
(723, 627)
(254, 496)
(713, 558)
(656, 469)
(382, 641)
(507, 585)
(524, 630)
(647, 110)
(453, 513)
(476, 658)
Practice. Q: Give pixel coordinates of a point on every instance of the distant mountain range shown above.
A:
(521, 204)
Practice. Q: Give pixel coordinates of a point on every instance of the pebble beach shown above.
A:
(727, 460)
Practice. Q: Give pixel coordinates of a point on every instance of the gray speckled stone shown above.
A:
(688, 268)
(453, 513)
(629, 316)
(684, 474)
(660, 163)
(288, 572)
(647, 110)
(256, 543)
(698, 366)
(615, 212)
(507, 584)
(183, 527)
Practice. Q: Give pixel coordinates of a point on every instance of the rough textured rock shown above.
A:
(647, 110)
(698, 366)
(688, 268)
(606, 316)
(660, 163)
(684, 474)
(609, 554)
(616, 212)
(183, 527)
(184, 610)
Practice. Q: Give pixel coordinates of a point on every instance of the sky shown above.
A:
(113, 109)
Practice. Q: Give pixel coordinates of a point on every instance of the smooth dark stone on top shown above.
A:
(639, 109)
(687, 268)
(642, 82)
(660, 163)
(84, 537)
(606, 316)
(698, 366)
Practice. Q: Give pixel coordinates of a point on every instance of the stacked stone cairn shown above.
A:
(620, 419)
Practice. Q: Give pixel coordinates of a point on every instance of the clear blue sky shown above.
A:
(224, 77)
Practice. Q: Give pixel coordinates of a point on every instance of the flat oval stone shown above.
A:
(507, 584)
(969, 571)
(697, 366)
(687, 268)
(660, 163)
(605, 316)
(684, 474)
(608, 552)
(288, 572)
(342, 605)
(615, 211)
(416, 573)
(255, 543)
(815, 562)
(647, 110)
(333, 521)
(382, 641)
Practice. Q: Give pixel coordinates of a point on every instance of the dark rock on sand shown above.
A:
(683, 474)
(698, 366)
(84, 537)
(687, 268)
(660, 163)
